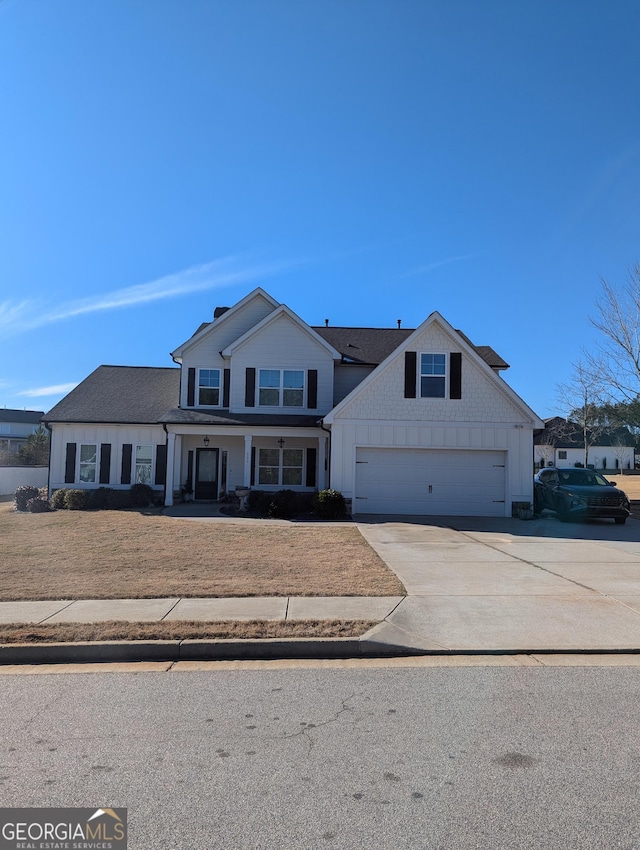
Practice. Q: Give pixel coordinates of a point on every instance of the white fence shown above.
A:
(12, 477)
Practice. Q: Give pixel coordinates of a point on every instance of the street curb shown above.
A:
(180, 650)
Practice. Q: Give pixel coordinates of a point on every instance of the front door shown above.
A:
(207, 474)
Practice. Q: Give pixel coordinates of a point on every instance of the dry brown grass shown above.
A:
(187, 630)
(629, 483)
(125, 554)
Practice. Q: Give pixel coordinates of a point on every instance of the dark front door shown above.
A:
(207, 474)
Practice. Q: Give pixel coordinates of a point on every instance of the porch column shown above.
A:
(171, 454)
(247, 460)
(322, 463)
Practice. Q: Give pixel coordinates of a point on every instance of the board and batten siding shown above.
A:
(205, 353)
(517, 443)
(282, 344)
(114, 435)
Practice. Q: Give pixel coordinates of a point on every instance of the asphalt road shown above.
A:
(453, 758)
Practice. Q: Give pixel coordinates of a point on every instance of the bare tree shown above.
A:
(617, 360)
(621, 450)
(582, 397)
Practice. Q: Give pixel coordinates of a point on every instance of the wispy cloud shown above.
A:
(17, 317)
(437, 264)
(42, 392)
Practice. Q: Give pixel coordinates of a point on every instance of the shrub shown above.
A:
(282, 504)
(58, 500)
(98, 499)
(118, 500)
(141, 495)
(23, 494)
(38, 505)
(77, 500)
(329, 504)
(258, 502)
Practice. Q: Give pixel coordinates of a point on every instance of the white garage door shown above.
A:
(430, 482)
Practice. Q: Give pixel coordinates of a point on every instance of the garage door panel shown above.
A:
(430, 482)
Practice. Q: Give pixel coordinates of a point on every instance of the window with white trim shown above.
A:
(280, 467)
(281, 388)
(208, 388)
(433, 375)
(562, 455)
(144, 459)
(88, 463)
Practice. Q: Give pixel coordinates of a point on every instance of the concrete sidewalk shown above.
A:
(198, 609)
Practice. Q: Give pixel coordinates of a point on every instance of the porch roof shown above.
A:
(223, 417)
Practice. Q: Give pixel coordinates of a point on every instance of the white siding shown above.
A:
(116, 435)
(206, 352)
(12, 477)
(482, 397)
(517, 443)
(282, 344)
(347, 377)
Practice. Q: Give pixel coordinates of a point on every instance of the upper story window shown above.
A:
(281, 388)
(208, 388)
(433, 374)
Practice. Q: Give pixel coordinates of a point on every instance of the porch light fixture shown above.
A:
(206, 441)
(281, 442)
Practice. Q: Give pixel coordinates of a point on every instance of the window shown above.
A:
(562, 455)
(280, 467)
(208, 387)
(433, 370)
(281, 388)
(88, 463)
(143, 465)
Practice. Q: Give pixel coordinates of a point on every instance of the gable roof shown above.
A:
(30, 417)
(222, 318)
(120, 394)
(371, 346)
(466, 345)
(281, 310)
(565, 434)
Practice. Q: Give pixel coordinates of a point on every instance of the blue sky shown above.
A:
(362, 160)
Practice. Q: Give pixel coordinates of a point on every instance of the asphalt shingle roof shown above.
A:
(120, 394)
(31, 417)
(373, 345)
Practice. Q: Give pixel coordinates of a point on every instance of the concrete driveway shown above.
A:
(485, 584)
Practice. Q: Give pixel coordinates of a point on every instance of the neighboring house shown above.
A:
(16, 426)
(561, 443)
(401, 421)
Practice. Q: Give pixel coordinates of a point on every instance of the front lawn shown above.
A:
(127, 554)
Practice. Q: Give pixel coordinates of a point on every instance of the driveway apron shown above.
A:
(503, 585)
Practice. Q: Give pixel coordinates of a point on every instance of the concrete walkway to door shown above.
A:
(505, 585)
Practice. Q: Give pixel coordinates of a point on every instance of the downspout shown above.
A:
(166, 443)
(328, 454)
(50, 430)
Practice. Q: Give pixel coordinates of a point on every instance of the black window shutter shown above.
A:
(250, 387)
(70, 464)
(125, 473)
(191, 387)
(311, 467)
(455, 375)
(410, 376)
(253, 465)
(105, 463)
(226, 387)
(161, 464)
(189, 481)
(312, 389)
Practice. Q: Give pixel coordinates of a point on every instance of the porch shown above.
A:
(206, 463)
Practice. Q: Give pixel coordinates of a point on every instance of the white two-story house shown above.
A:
(400, 421)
